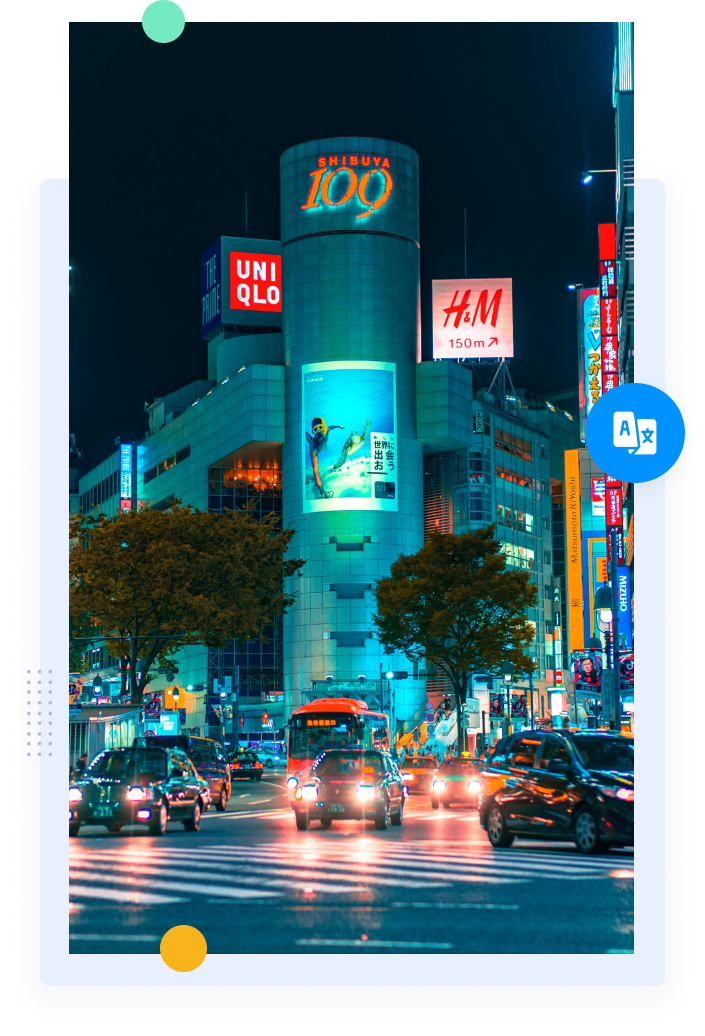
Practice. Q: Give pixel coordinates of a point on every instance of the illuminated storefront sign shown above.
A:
(125, 476)
(613, 517)
(365, 179)
(574, 559)
(624, 598)
(241, 284)
(349, 440)
(255, 282)
(597, 492)
(472, 318)
(592, 348)
(609, 313)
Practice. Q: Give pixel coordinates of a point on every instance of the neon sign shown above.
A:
(327, 182)
(255, 282)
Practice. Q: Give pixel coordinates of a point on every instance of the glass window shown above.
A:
(554, 756)
(140, 763)
(353, 765)
(606, 753)
(523, 753)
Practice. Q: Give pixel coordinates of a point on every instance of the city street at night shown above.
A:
(252, 883)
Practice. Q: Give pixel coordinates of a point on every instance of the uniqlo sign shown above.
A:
(255, 282)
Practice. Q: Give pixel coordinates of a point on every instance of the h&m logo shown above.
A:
(351, 183)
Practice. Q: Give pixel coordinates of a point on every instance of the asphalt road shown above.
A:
(252, 883)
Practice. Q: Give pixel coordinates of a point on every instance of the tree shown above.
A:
(154, 581)
(457, 606)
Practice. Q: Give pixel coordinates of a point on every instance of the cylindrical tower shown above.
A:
(352, 467)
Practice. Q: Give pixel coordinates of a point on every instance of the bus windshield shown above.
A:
(312, 732)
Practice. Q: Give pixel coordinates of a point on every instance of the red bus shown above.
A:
(333, 723)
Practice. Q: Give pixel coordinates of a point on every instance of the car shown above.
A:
(207, 755)
(536, 785)
(418, 772)
(350, 784)
(147, 785)
(271, 757)
(247, 764)
(605, 752)
(456, 780)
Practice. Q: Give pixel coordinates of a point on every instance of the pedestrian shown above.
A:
(82, 763)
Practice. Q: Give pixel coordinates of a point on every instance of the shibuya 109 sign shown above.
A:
(361, 181)
(472, 319)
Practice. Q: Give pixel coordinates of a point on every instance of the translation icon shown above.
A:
(636, 435)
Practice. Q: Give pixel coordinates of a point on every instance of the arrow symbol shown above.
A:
(493, 341)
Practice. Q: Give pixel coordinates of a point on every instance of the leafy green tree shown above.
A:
(456, 605)
(154, 581)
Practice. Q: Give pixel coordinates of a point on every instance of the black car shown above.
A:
(138, 785)
(537, 785)
(455, 781)
(605, 752)
(207, 755)
(247, 764)
(351, 784)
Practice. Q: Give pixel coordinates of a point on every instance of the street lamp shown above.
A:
(587, 176)
(508, 676)
(605, 617)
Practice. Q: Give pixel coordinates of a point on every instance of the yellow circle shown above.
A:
(183, 948)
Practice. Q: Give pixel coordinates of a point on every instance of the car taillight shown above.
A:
(258, 766)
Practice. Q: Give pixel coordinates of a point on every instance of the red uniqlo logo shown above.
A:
(255, 282)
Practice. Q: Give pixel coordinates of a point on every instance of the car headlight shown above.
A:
(309, 791)
(625, 794)
(474, 786)
(292, 782)
(439, 785)
(366, 792)
(135, 794)
(75, 794)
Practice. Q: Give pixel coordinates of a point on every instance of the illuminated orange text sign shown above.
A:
(256, 282)
(340, 178)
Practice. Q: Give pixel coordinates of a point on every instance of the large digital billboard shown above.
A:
(349, 437)
(472, 319)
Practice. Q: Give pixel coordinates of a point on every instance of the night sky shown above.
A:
(165, 138)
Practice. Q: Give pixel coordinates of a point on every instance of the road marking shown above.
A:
(372, 872)
(120, 896)
(369, 944)
(115, 938)
(116, 873)
(242, 875)
(458, 906)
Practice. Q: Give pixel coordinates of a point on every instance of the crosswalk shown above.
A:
(274, 871)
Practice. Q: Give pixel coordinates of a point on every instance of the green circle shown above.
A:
(163, 21)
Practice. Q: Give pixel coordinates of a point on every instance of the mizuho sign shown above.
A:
(340, 179)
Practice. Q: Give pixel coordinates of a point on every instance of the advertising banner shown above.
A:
(241, 284)
(125, 474)
(586, 667)
(591, 349)
(349, 437)
(608, 325)
(574, 558)
(472, 319)
(598, 497)
(613, 517)
(624, 581)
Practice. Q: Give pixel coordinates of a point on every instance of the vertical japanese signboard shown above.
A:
(613, 516)
(608, 307)
(349, 437)
(574, 556)
(591, 351)
(125, 476)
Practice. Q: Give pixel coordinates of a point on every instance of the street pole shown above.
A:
(531, 692)
(236, 710)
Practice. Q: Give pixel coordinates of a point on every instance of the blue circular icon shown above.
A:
(635, 433)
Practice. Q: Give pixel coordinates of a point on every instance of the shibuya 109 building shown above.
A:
(317, 405)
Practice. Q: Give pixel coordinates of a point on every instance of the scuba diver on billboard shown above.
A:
(352, 443)
(316, 444)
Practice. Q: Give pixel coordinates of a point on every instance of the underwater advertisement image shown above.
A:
(349, 433)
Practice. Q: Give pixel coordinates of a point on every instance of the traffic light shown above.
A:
(397, 675)
(265, 718)
(242, 721)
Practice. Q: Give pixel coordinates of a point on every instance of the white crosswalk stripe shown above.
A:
(272, 870)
